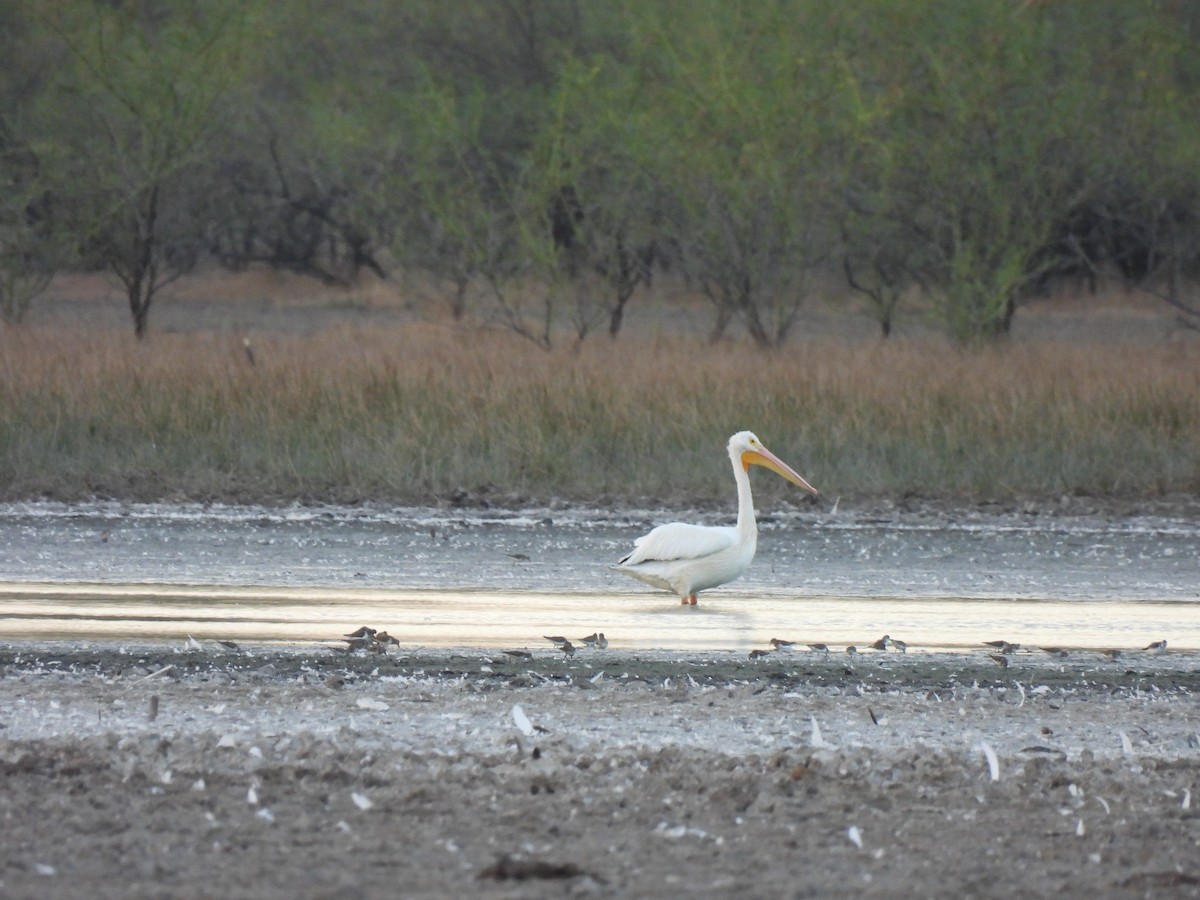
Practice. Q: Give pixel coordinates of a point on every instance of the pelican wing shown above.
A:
(679, 540)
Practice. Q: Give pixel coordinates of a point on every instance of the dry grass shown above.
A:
(419, 411)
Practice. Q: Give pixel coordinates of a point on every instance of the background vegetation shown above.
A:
(540, 165)
(542, 160)
(425, 412)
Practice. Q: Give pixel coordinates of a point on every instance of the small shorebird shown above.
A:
(759, 654)
(882, 643)
(1003, 646)
(851, 650)
(556, 639)
(1001, 660)
(819, 648)
(1157, 647)
(1055, 651)
(567, 647)
(595, 641)
(781, 644)
(360, 639)
(900, 645)
(367, 638)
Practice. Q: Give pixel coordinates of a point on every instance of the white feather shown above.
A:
(679, 540)
(855, 836)
(521, 720)
(992, 760)
(818, 740)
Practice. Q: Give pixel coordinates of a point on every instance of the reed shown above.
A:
(417, 412)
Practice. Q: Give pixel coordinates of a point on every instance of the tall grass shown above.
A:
(418, 412)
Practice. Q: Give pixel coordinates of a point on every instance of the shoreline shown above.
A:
(145, 770)
(1021, 507)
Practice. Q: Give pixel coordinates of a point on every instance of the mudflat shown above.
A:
(154, 771)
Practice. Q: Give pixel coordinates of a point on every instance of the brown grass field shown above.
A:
(357, 396)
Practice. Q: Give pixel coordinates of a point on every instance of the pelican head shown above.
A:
(747, 450)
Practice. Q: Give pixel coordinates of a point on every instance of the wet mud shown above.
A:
(154, 770)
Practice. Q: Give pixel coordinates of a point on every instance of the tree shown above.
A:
(31, 246)
(462, 223)
(1138, 220)
(740, 103)
(140, 98)
(987, 130)
(599, 198)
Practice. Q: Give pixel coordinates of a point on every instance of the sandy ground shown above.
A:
(150, 771)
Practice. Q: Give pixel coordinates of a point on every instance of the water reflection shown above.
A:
(519, 619)
(504, 579)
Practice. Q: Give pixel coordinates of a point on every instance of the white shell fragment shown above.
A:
(855, 836)
(362, 801)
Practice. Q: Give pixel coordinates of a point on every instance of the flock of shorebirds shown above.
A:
(594, 641)
(778, 645)
(370, 640)
(1003, 649)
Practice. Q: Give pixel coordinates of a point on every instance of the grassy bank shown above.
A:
(418, 412)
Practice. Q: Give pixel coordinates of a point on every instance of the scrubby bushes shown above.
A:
(972, 152)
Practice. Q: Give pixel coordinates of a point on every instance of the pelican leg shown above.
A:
(683, 601)
(691, 599)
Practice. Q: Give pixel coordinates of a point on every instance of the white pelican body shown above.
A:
(687, 559)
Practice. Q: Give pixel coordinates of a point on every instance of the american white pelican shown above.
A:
(687, 559)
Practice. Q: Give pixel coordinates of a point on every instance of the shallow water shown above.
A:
(504, 579)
